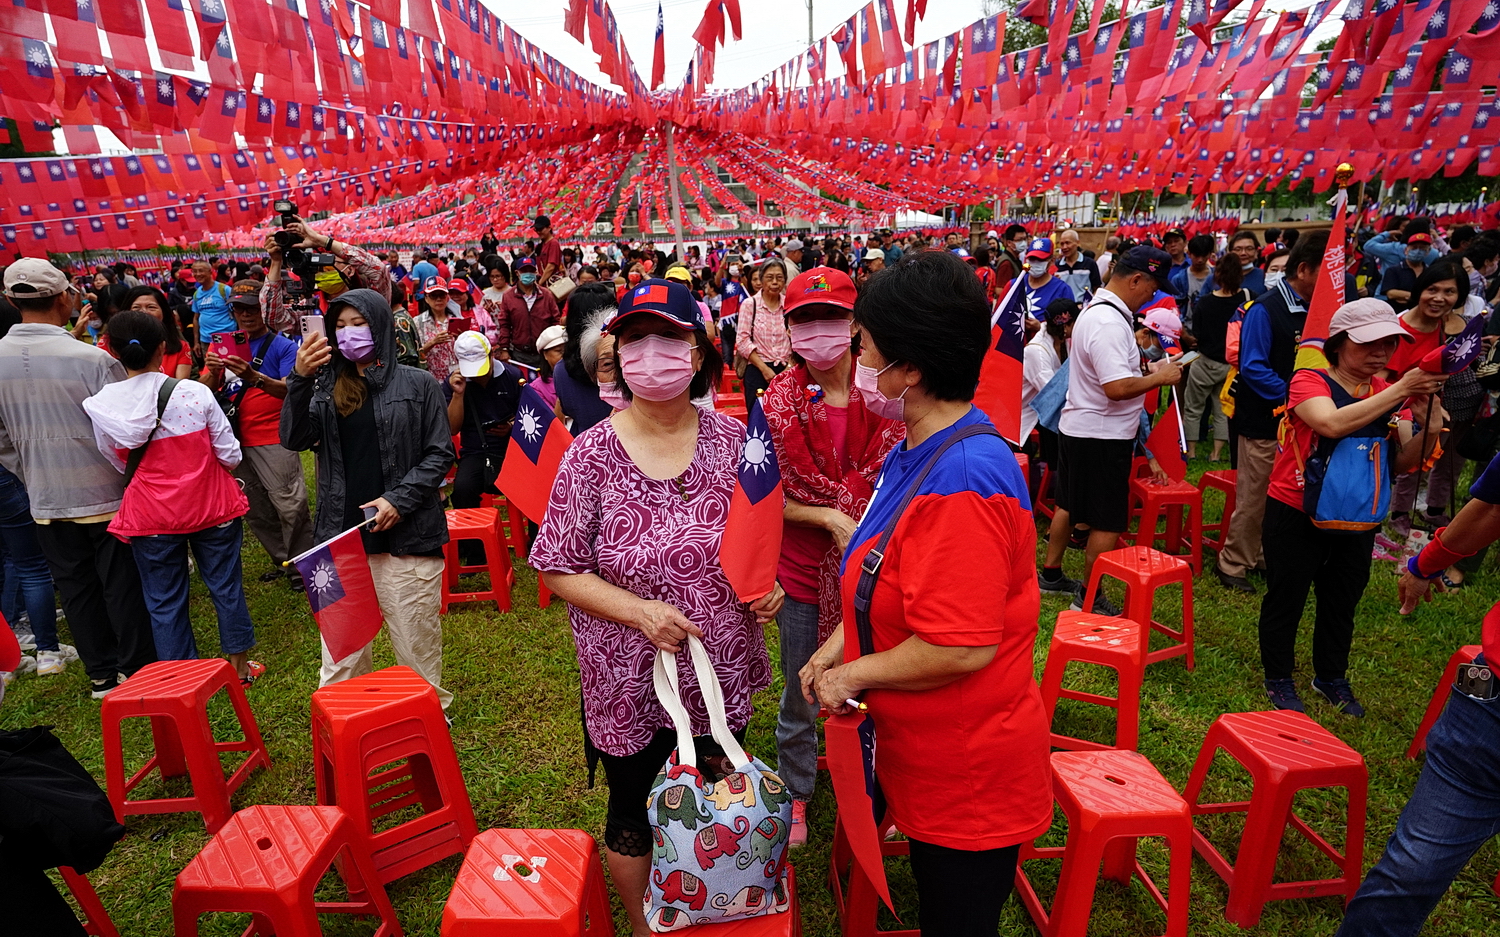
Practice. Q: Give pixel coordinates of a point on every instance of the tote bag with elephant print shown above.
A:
(720, 847)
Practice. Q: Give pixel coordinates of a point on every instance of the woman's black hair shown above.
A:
(929, 311)
(705, 380)
(1437, 272)
(582, 303)
(168, 314)
(1229, 273)
(1333, 346)
(134, 338)
(1060, 312)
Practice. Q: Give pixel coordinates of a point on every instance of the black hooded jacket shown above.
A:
(416, 448)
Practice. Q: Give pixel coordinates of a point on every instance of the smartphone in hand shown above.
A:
(231, 344)
(314, 325)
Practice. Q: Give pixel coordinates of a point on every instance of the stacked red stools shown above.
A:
(1118, 643)
(1110, 799)
(1177, 501)
(96, 919)
(529, 883)
(1144, 570)
(267, 861)
(174, 695)
(382, 752)
(1464, 655)
(1285, 752)
(513, 525)
(1219, 480)
(482, 524)
(858, 904)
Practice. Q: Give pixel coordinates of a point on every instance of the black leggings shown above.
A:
(627, 828)
(960, 893)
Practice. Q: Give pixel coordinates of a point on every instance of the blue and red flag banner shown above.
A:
(1458, 352)
(751, 547)
(1167, 442)
(999, 390)
(659, 52)
(538, 440)
(850, 738)
(341, 592)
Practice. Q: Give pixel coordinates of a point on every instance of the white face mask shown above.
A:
(1274, 278)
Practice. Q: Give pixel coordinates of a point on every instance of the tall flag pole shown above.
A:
(1328, 294)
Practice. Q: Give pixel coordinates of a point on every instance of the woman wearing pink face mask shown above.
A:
(942, 650)
(631, 543)
(829, 447)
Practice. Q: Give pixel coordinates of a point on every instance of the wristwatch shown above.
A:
(259, 381)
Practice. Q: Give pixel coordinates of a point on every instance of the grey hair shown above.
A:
(588, 339)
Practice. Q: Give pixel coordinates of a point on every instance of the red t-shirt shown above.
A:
(1407, 354)
(803, 548)
(259, 419)
(1286, 483)
(550, 252)
(169, 360)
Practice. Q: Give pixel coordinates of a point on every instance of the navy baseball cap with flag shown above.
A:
(1153, 261)
(1039, 248)
(666, 299)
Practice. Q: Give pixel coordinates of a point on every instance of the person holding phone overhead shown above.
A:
(349, 398)
(251, 392)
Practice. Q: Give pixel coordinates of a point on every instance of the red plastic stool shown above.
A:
(513, 525)
(174, 694)
(1285, 752)
(96, 919)
(1045, 504)
(786, 923)
(1024, 462)
(267, 861)
(1177, 501)
(1118, 643)
(857, 904)
(482, 524)
(381, 748)
(1464, 655)
(1110, 799)
(1144, 570)
(546, 883)
(1222, 480)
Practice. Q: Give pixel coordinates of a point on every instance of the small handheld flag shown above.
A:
(1166, 440)
(999, 390)
(341, 592)
(538, 440)
(1457, 352)
(751, 547)
(850, 739)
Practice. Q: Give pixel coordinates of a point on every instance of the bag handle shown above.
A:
(669, 694)
(133, 461)
(869, 567)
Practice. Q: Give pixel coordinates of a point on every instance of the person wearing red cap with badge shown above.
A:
(829, 447)
(432, 328)
(631, 542)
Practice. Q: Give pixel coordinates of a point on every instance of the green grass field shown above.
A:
(516, 728)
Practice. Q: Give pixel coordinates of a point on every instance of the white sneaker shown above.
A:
(49, 663)
(27, 665)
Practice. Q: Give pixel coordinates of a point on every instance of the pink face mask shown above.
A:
(821, 342)
(657, 367)
(609, 392)
(868, 381)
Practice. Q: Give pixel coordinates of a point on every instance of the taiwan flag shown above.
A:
(999, 390)
(1328, 293)
(751, 547)
(341, 592)
(659, 53)
(538, 440)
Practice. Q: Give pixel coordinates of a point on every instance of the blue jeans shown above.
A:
(797, 723)
(1454, 810)
(28, 581)
(163, 562)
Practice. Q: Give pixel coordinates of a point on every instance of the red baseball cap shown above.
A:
(820, 286)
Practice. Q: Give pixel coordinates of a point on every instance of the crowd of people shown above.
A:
(865, 354)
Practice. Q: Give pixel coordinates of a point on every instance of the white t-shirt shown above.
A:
(1039, 362)
(1103, 350)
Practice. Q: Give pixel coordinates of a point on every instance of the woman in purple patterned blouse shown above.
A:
(631, 542)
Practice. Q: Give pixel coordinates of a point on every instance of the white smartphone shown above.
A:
(314, 325)
(1188, 358)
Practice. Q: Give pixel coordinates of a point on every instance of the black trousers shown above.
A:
(754, 381)
(101, 593)
(1335, 564)
(475, 476)
(960, 893)
(33, 905)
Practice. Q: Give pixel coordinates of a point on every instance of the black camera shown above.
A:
(304, 263)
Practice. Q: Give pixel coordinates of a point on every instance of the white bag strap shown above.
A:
(669, 693)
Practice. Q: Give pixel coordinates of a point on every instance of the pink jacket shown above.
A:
(183, 484)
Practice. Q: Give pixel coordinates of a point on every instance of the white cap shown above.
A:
(874, 253)
(551, 337)
(34, 278)
(473, 352)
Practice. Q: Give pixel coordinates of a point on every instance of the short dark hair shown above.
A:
(1308, 250)
(1012, 230)
(1201, 245)
(1229, 273)
(35, 303)
(1481, 251)
(929, 311)
(1242, 234)
(134, 338)
(1334, 345)
(705, 380)
(1437, 272)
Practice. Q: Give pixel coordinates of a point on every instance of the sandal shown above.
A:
(257, 670)
(1449, 584)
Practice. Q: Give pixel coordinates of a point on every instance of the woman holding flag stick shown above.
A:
(631, 541)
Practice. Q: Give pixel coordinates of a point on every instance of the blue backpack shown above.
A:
(1347, 481)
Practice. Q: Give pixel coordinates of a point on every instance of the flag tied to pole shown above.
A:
(751, 547)
(538, 440)
(341, 592)
(851, 764)
(1328, 294)
(999, 390)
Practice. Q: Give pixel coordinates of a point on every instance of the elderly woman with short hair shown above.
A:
(631, 543)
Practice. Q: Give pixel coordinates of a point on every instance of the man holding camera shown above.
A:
(353, 268)
(251, 394)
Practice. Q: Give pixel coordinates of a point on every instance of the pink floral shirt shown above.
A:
(606, 517)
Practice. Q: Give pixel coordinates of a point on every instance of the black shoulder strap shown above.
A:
(133, 461)
(869, 567)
